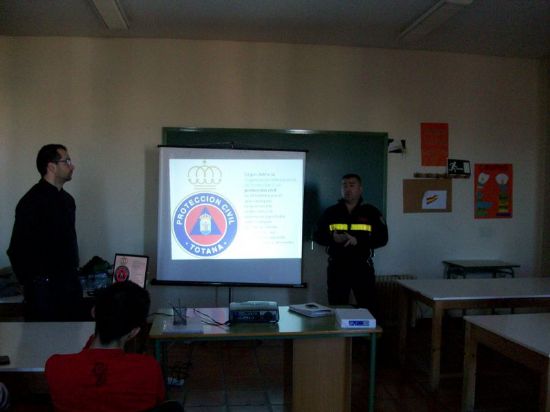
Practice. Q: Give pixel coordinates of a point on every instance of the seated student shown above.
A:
(102, 377)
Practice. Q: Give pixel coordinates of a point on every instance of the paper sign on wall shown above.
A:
(434, 143)
(434, 199)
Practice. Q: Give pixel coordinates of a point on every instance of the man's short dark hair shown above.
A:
(120, 308)
(46, 155)
(352, 176)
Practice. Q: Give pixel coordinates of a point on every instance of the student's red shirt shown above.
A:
(104, 380)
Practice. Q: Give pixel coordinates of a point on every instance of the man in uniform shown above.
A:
(351, 230)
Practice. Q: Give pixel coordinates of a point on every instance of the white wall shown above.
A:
(107, 100)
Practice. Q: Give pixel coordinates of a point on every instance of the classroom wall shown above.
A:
(107, 100)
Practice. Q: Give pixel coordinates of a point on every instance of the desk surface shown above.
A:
(30, 344)
(472, 289)
(481, 264)
(291, 325)
(531, 330)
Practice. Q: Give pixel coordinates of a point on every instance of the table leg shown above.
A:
(321, 375)
(435, 363)
(470, 365)
(544, 398)
(403, 324)
(287, 371)
(372, 372)
(161, 356)
(158, 351)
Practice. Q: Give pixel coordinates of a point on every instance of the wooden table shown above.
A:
(524, 338)
(463, 268)
(30, 344)
(321, 352)
(443, 294)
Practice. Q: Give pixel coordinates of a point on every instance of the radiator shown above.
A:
(387, 299)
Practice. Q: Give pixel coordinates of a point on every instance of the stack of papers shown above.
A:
(312, 309)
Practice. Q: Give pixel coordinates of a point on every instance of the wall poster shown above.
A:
(434, 143)
(493, 191)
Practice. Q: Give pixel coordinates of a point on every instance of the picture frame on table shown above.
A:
(130, 268)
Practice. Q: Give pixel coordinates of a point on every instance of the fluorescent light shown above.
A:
(111, 13)
(435, 16)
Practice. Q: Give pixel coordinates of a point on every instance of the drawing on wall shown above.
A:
(434, 143)
(434, 199)
(493, 191)
(427, 195)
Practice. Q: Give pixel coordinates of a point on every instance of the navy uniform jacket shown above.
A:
(43, 241)
(365, 223)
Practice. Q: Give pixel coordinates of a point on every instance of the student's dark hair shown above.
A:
(352, 176)
(46, 155)
(120, 308)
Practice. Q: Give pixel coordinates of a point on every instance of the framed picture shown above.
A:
(130, 267)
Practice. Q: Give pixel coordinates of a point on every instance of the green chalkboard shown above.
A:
(330, 155)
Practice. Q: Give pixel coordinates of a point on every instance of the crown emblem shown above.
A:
(204, 176)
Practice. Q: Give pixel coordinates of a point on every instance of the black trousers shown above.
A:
(54, 299)
(344, 276)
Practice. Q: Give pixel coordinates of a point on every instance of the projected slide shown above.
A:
(230, 216)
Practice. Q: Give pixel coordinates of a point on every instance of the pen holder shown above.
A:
(180, 315)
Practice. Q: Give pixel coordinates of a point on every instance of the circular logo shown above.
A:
(122, 273)
(204, 224)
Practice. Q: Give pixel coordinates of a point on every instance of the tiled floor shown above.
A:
(249, 377)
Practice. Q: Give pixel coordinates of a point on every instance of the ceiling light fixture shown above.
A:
(438, 14)
(111, 13)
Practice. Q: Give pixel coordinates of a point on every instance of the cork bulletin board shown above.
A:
(427, 195)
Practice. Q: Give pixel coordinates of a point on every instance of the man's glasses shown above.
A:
(67, 161)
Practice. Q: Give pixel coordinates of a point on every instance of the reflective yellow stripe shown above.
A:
(362, 227)
(338, 226)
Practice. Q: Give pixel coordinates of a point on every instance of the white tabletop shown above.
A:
(30, 344)
(499, 288)
(481, 264)
(531, 330)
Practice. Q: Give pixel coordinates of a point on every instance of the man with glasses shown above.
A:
(43, 250)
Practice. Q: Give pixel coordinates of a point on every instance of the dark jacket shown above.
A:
(365, 223)
(43, 241)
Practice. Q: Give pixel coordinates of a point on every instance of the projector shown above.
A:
(258, 311)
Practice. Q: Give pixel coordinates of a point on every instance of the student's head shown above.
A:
(119, 309)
